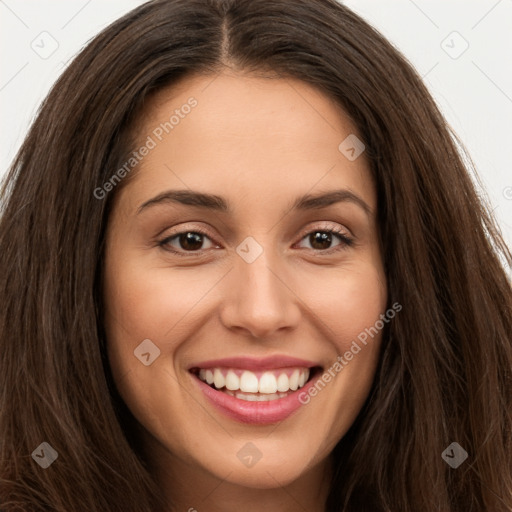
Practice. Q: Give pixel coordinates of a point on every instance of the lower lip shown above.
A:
(257, 413)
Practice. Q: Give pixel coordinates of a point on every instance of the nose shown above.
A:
(259, 300)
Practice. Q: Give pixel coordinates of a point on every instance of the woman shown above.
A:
(244, 265)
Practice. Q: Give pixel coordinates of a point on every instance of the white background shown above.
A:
(473, 89)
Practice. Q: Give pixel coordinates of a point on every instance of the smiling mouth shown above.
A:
(256, 386)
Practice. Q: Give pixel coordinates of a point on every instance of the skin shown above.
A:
(259, 143)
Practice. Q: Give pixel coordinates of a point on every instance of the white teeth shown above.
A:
(232, 381)
(294, 380)
(268, 383)
(283, 383)
(257, 398)
(248, 382)
(218, 379)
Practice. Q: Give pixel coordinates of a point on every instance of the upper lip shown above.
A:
(253, 363)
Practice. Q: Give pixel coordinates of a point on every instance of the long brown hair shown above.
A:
(446, 362)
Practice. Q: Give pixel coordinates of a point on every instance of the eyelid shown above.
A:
(162, 241)
(342, 232)
(326, 226)
(347, 240)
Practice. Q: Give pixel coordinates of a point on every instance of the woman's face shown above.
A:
(245, 250)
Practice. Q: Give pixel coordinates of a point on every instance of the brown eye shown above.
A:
(190, 241)
(187, 241)
(320, 240)
(325, 239)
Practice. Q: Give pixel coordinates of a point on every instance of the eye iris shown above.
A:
(191, 241)
(320, 240)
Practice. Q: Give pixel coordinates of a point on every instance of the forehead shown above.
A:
(249, 135)
(251, 109)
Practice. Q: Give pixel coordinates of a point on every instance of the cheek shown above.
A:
(347, 301)
(347, 305)
(150, 302)
(141, 304)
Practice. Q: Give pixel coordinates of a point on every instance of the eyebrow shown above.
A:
(217, 203)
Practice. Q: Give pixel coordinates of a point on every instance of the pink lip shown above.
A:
(251, 363)
(257, 413)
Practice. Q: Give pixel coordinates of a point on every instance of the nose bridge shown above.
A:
(257, 299)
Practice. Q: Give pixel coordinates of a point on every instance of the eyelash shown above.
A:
(345, 241)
